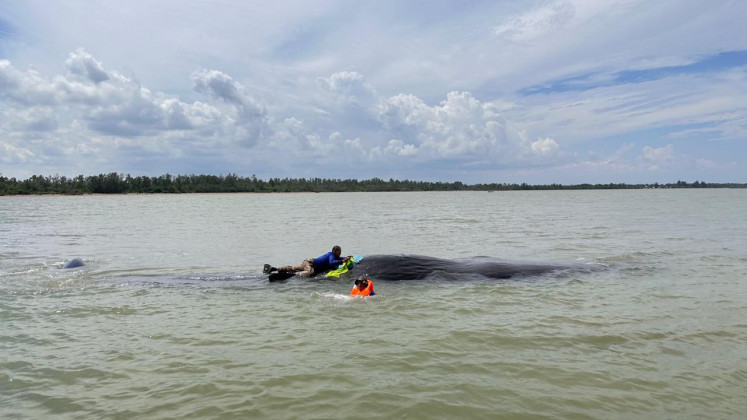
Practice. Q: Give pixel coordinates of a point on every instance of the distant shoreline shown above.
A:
(114, 183)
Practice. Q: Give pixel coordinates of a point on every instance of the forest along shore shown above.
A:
(114, 183)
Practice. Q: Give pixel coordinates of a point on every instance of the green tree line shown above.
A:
(114, 183)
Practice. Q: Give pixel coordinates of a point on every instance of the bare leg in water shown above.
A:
(305, 269)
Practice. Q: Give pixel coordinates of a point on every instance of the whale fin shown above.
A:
(75, 262)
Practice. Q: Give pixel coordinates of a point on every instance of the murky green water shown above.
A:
(171, 318)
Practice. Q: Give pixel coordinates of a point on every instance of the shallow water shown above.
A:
(171, 317)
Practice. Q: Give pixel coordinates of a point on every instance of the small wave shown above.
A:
(94, 311)
(632, 257)
(30, 270)
(336, 296)
(199, 280)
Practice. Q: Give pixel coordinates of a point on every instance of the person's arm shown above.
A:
(334, 262)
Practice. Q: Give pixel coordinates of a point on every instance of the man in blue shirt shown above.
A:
(312, 266)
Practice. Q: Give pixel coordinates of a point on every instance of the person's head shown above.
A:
(337, 251)
(362, 282)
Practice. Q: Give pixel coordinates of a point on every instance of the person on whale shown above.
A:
(311, 266)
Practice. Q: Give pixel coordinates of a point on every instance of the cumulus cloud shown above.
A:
(545, 146)
(349, 87)
(399, 148)
(219, 85)
(648, 162)
(80, 63)
(665, 153)
(459, 126)
(114, 104)
(404, 129)
(575, 73)
(249, 116)
(37, 119)
(291, 134)
(650, 159)
(12, 154)
(8, 77)
(95, 109)
(297, 140)
(25, 88)
(658, 158)
(102, 113)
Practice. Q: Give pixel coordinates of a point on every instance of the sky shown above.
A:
(536, 91)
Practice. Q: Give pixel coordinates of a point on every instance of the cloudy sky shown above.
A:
(536, 91)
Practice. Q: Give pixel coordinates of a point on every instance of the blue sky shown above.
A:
(565, 91)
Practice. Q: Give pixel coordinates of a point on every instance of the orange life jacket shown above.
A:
(368, 291)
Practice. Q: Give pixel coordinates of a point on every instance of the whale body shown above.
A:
(419, 267)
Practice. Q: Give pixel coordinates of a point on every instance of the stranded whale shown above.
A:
(418, 267)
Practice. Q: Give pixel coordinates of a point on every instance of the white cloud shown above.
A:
(658, 158)
(392, 84)
(24, 88)
(291, 135)
(8, 77)
(244, 118)
(707, 164)
(535, 23)
(459, 126)
(349, 86)
(579, 116)
(32, 120)
(81, 63)
(398, 148)
(92, 109)
(12, 154)
(218, 85)
(664, 159)
(545, 146)
(113, 104)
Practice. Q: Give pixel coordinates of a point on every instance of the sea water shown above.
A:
(172, 318)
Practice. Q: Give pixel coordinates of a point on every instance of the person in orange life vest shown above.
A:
(363, 287)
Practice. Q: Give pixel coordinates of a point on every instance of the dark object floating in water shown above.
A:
(75, 262)
(418, 267)
(280, 276)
